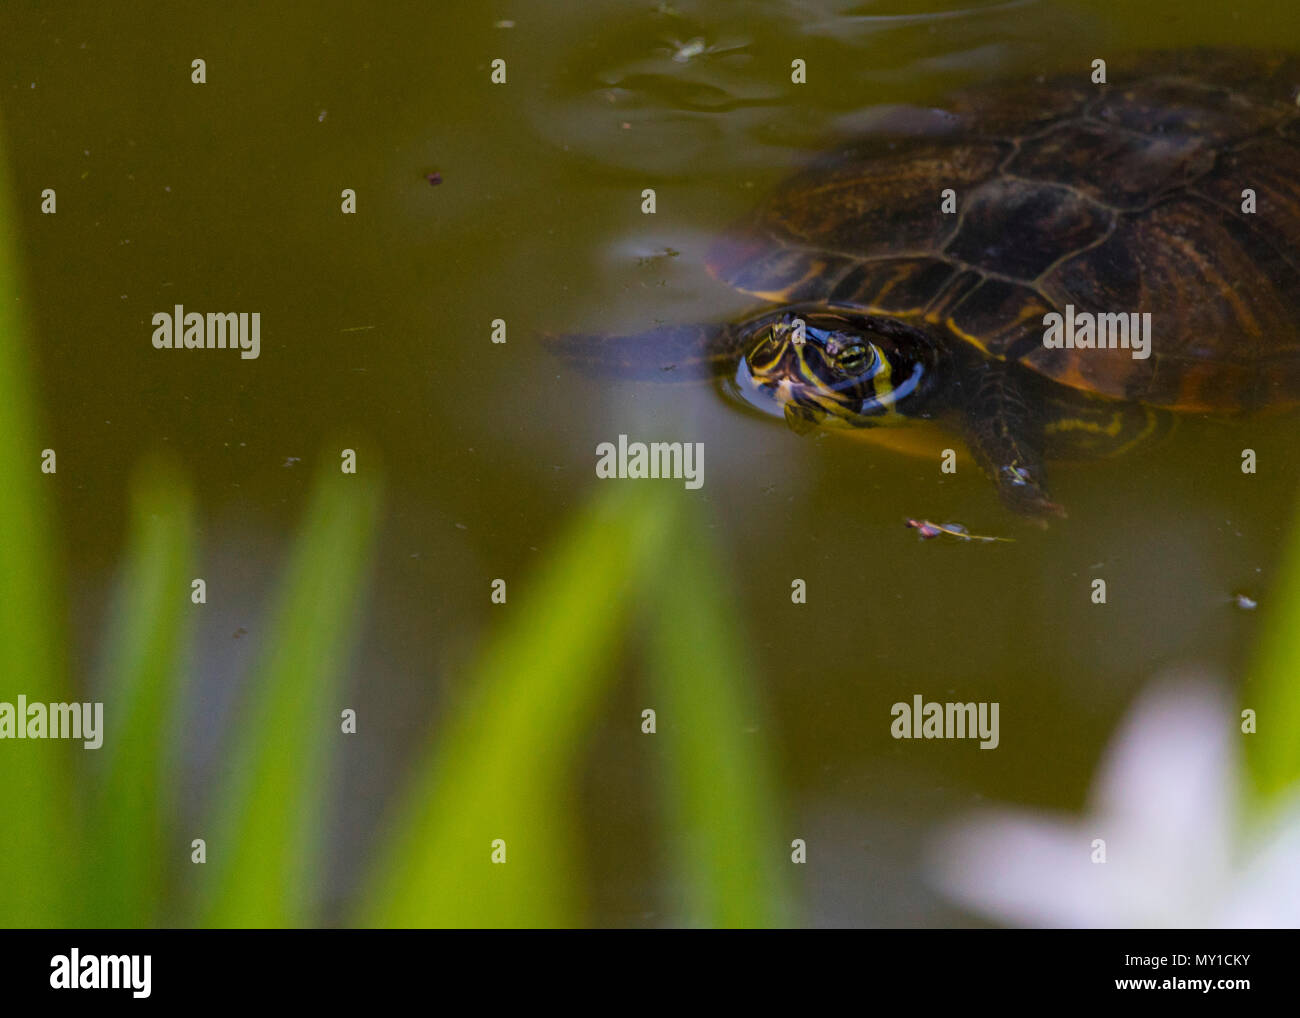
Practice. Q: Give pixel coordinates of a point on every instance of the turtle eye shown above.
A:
(853, 359)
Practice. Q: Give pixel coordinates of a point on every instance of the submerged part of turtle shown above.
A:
(1171, 192)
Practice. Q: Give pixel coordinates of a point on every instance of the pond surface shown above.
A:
(376, 327)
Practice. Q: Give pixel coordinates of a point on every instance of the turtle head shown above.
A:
(834, 369)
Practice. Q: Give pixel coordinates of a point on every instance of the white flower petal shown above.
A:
(1267, 894)
(1168, 780)
(1022, 870)
(1164, 803)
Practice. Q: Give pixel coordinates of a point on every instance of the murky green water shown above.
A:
(375, 333)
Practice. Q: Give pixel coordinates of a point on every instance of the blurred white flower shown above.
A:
(1165, 802)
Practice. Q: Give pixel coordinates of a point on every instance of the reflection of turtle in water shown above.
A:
(1131, 197)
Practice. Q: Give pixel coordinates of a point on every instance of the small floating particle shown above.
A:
(241, 631)
(292, 461)
(657, 256)
(320, 117)
(684, 52)
(1245, 603)
(433, 178)
(505, 23)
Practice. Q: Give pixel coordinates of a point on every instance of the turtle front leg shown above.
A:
(1006, 438)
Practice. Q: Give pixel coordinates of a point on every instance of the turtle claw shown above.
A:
(1024, 496)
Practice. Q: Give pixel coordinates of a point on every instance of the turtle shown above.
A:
(926, 268)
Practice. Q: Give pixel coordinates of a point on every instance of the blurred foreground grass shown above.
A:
(1272, 689)
(504, 766)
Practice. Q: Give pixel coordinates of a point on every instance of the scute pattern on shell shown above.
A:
(1118, 198)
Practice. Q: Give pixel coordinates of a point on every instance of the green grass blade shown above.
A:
(147, 646)
(720, 789)
(265, 848)
(35, 775)
(1273, 692)
(503, 767)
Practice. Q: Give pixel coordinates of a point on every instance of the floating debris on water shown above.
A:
(685, 51)
(657, 256)
(926, 530)
(1245, 603)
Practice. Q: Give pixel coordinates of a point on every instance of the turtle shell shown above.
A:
(1116, 198)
